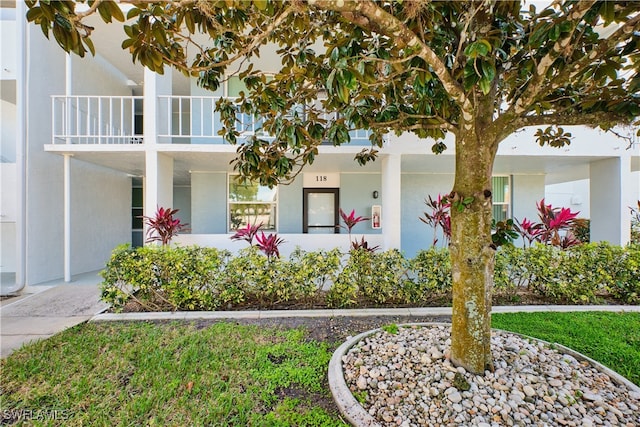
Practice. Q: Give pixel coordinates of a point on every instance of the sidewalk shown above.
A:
(42, 314)
(44, 310)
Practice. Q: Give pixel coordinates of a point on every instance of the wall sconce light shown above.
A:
(375, 194)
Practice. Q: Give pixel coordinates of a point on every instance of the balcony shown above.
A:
(97, 119)
(181, 120)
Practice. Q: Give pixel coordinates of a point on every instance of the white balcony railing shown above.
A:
(97, 119)
(118, 120)
(193, 119)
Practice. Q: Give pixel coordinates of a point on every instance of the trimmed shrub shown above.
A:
(378, 277)
(510, 270)
(430, 272)
(198, 278)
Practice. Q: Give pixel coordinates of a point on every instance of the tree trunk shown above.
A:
(472, 252)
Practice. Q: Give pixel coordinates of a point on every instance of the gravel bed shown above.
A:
(406, 379)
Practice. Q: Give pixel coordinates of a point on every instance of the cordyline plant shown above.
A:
(553, 229)
(554, 222)
(439, 217)
(351, 221)
(269, 245)
(530, 231)
(478, 71)
(162, 227)
(247, 233)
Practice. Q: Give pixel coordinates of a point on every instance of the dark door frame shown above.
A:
(305, 206)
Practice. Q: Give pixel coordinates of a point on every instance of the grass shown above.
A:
(129, 374)
(177, 374)
(612, 339)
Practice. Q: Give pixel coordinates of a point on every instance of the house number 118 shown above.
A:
(321, 178)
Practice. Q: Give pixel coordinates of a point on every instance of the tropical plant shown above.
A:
(351, 221)
(162, 227)
(529, 231)
(247, 233)
(439, 217)
(269, 245)
(556, 224)
(363, 244)
(479, 70)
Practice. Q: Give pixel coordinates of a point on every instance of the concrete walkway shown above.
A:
(44, 310)
(50, 309)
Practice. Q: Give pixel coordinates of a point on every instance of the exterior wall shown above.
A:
(416, 188)
(182, 201)
(45, 234)
(8, 132)
(527, 191)
(100, 214)
(572, 194)
(208, 203)
(356, 192)
(290, 207)
(94, 76)
(8, 204)
(44, 192)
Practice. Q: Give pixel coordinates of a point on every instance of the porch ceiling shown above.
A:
(185, 162)
(556, 169)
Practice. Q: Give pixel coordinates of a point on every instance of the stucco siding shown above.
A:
(209, 203)
(416, 188)
(100, 214)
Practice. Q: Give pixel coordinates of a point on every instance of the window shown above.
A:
(320, 210)
(501, 197)
(137, 210)
(251, 203)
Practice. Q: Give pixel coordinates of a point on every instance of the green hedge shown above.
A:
(197, 278)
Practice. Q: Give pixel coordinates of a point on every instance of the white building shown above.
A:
(90, 144)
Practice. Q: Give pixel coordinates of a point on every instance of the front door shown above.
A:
(320, 210)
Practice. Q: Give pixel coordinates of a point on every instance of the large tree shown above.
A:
(479, 70)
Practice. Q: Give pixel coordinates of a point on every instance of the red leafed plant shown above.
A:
(530, 231)
(247, 234)
(555, 220)
(269, 244)
(162, 227)
(350, 221)
(363, 244)
(440, 216)
(554, 227)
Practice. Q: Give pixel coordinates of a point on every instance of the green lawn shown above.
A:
(612, 339)
(132, 374)
(177, 374)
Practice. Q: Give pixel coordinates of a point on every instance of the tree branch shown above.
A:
(369, 15)
(588, 119)
(533, 89)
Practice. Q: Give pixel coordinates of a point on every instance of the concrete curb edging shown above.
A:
(349, 407)
(322, 313)
(355, 413)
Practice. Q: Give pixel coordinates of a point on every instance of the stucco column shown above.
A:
(391, 201)
(158, 180)
(610, 198)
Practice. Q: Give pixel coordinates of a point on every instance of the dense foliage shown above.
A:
(196, 278)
